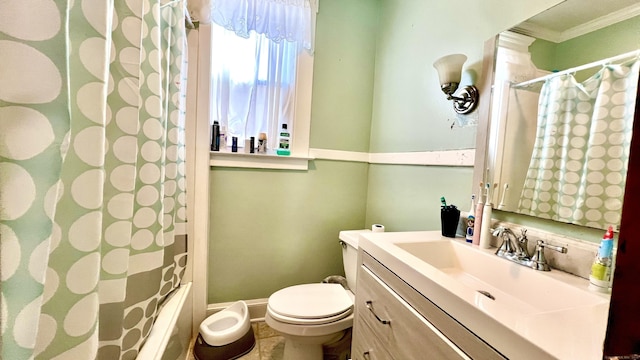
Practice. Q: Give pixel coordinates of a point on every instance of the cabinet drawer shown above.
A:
(467, 341)
(407, 335)
(367, 346)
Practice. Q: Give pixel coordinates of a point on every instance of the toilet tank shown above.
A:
(349, 242)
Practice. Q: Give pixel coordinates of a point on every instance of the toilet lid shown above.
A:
(310, 303)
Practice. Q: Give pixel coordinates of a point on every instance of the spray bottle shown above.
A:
(600, 277)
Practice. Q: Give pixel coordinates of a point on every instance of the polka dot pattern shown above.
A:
(589, 170)
(83, 224)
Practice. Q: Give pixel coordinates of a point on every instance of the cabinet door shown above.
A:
(402, 330)
(366, 345)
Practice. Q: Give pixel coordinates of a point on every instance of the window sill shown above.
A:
(270, 160)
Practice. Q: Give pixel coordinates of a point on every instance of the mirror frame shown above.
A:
(623, 333)
(485, 86)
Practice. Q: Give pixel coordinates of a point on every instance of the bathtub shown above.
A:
(169, 338)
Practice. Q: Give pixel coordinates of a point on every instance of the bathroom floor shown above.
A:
(269, 345)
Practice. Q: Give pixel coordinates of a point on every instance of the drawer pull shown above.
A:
(370, 307)
(366, 355)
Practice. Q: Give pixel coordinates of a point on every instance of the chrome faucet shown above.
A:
(518, 251)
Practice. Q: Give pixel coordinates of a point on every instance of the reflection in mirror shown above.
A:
(562, 114)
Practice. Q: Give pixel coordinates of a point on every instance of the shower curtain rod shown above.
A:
(581, 67)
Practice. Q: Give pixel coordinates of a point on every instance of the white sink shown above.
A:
(524, 290)
(524, 313)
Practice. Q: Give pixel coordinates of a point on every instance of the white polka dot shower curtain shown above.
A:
(92, 187)
(578, 168)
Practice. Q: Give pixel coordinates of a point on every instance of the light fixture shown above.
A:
(450, 71)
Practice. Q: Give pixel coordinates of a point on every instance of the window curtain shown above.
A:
(257, 96)
(290, 20)
(578, 168)
(92, 171)
(253, 84)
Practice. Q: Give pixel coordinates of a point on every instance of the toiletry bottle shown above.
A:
(600, 277)
(485, 229)
(477, 224)
(262, 143)
(234, 144)
(471, 220)
(222, 144)
(283, 142)
(215, 136)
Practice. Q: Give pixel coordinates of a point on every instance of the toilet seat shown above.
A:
(310, 304)
(307, 321)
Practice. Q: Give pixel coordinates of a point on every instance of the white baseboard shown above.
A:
(257, 308)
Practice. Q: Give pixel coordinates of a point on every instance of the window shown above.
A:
(253, 87)
(260, 80)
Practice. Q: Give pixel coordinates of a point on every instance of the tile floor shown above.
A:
(269, 345)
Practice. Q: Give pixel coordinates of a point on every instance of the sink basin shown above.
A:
(524, 290)
(522, 312)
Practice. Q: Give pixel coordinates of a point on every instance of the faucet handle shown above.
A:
(523, 231)
(498, 231)
(523, 244)
(539, 261)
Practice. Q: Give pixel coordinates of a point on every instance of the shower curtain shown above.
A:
(578, 168)
(92, 187)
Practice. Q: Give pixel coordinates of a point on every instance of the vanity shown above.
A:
(423, 296)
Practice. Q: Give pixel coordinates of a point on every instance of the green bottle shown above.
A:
(284, 142)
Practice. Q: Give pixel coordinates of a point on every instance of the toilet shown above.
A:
(226, 334)
(311, 315)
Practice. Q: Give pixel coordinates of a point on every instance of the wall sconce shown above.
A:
(450, 71)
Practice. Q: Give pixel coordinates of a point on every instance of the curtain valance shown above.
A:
(290, 20)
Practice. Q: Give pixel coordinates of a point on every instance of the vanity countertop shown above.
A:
(515, 329)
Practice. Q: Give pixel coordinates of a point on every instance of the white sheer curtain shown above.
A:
(255, 47)
(253, 84)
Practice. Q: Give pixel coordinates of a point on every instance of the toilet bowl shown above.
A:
(309, 316)
(226, 334)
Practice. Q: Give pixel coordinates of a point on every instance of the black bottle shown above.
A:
(215, 136)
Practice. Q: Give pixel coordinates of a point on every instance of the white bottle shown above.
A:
(223, 137)
(485, 229)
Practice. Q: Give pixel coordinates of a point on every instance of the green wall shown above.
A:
(411, 114)
(272, 228)
(407, 197)
(374, 90)
(344, 63)
(603, 43)
(610, 41)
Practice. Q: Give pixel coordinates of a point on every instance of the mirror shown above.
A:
(572, 177)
